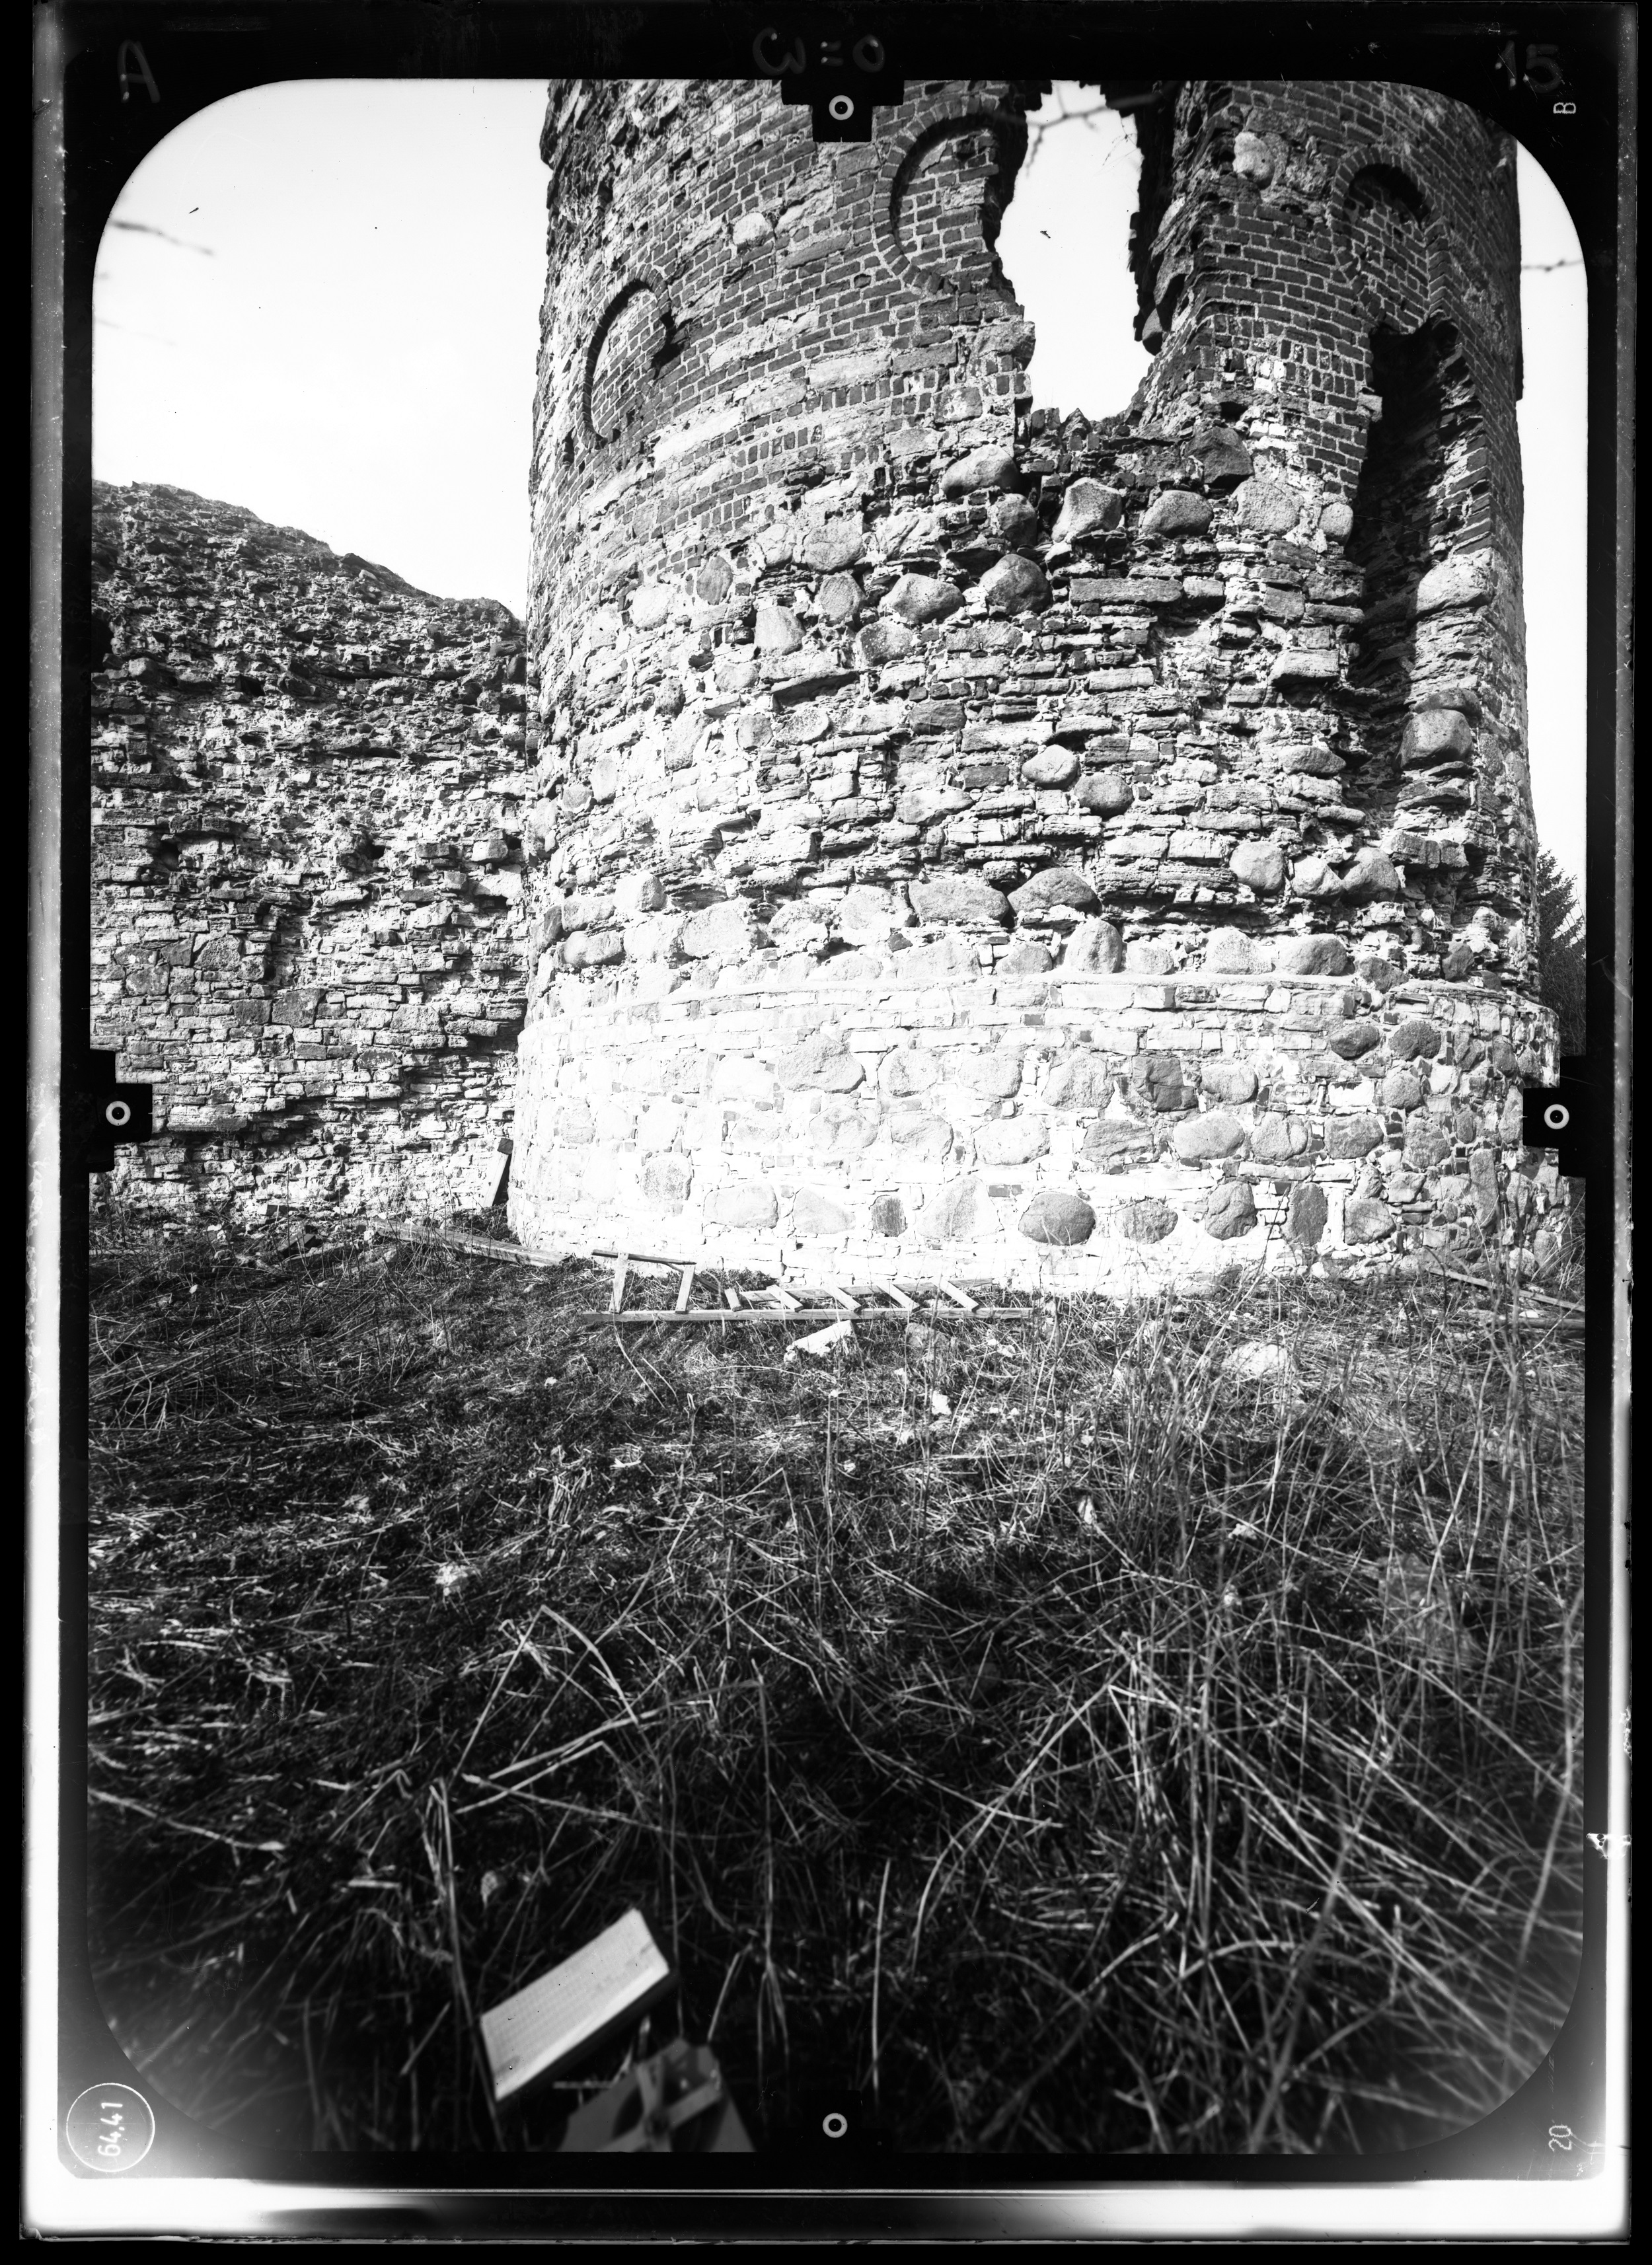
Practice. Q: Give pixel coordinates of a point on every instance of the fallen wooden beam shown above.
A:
(515, 1254)
(1492, 1283)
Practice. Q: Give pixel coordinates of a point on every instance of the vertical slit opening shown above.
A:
(1396, 511)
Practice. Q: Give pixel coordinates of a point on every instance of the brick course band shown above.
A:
(1098, 852)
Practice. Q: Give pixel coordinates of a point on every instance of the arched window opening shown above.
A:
(949, 199)
(1387, 242)
(630, 347)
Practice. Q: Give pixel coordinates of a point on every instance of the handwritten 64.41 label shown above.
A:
(109, 2127)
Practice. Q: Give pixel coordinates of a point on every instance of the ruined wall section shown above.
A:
(307, 783)
(960, 828)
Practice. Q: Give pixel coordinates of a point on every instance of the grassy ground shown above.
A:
(1038, 1735)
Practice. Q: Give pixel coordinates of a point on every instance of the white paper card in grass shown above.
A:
(613, 1979)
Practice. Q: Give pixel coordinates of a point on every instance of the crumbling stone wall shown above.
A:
(1084, 851)
(307, 865)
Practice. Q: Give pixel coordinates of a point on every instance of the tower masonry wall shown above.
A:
(1090, 853)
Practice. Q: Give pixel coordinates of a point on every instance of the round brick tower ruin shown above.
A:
(970, 842)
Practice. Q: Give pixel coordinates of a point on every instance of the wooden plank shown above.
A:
(640, 1258)
(834, 1290)
(731, 1297)
(621, 1267)
(785, 1300)
(684, 1289)
(959, 1297)
(899, 1298)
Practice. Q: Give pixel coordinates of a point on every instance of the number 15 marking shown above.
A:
(1542, 74)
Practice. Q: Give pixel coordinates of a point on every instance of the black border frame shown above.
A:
(112, 80)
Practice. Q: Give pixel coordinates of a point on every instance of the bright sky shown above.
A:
(320, 299)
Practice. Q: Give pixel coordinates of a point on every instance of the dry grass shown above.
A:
(1110, 1754)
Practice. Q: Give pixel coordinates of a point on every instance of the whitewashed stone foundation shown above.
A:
(876, 1128)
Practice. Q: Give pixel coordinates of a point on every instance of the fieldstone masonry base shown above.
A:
(1103, 1133)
